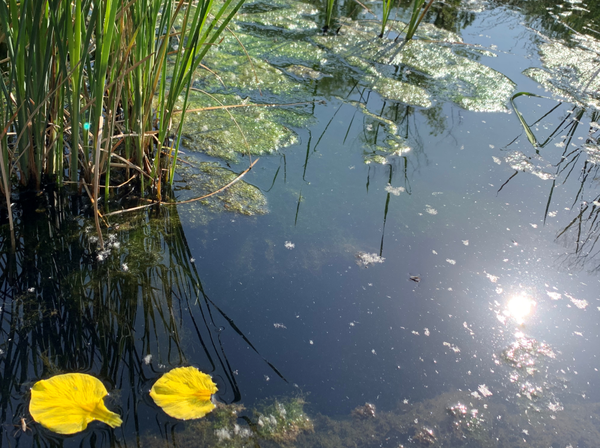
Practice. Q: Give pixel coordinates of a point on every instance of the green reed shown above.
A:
(90, 88)
(387, 7)
(416, 17)
(328, 14)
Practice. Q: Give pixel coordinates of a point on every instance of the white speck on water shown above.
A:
(492, 146)
(192, 260)
(499, 290)
(554, 295)
(267, 378)
(311, 342)
(497, 160)
(276, 325)
(434, 252)
(426, 331)
(581, 304)
(222, 434)
(373, 351)
(147, 359)
(415, 332)
(465, 242)
(289, 245)
(525, 432)
(533, 225)
(394, 190)
(429, 209)
(451, 261)
(552, 214)
(364, 259)
(32, 289)
(555, 407)
(452, 347)
(483, 390)
(493, 278)
(466, 326)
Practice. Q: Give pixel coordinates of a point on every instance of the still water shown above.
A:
(406, 269)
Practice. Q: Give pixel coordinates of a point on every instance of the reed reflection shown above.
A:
(567, 157)
(124, 315)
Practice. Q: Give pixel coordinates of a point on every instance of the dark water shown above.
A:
(350, 289)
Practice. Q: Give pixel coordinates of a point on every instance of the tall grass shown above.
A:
(329, 4)
(416, 17)
(90, 87)
(385, 14)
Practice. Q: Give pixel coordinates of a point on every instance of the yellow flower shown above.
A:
(184, 393)
(67, 403)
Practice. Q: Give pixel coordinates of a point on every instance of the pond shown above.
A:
(406, 264)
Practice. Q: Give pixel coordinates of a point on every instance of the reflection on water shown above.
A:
(519, 307)
(391, 274)
(125, 314)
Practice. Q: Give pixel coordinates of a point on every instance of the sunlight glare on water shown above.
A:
(519, 307)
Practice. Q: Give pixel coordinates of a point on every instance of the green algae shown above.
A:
(283, 15)
(452, 75)
(241, 197)
(303, 72)
(457, 419)
(277, 423)
(283, 420)
(571, 72)
(275, 54)
(252, 129)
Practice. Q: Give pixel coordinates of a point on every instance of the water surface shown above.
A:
(417, 253)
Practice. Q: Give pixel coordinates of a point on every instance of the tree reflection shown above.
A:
(124, 315)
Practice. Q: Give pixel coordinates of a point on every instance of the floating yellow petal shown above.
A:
(67, 403)
(184, 393)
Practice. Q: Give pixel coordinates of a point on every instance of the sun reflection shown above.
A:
(519, 307)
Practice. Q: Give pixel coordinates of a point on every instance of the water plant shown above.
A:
(385, 14)
(328, 15)
(416, 17)
(90, 90)
(283, 420)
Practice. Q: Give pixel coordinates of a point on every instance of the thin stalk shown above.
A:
(387, 7)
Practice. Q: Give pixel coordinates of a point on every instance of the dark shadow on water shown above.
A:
(125, 315)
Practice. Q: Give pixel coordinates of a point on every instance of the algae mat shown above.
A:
(276, 55)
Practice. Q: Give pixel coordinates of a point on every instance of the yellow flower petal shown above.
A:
(184, 393)
(67, 403)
